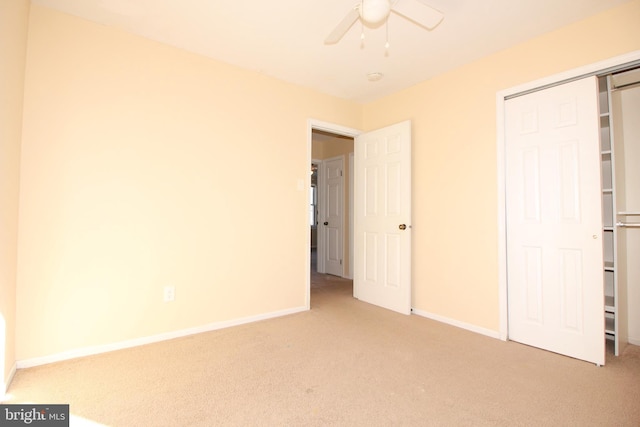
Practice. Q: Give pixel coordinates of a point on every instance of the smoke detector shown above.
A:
(375, 76)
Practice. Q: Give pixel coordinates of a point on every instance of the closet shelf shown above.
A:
(609, 303)
(629, 213)
(609, 326)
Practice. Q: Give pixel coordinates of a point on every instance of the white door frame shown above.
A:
(313, 124)
(587, 70)
(319, 236)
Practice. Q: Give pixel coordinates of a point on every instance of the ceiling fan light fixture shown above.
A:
(374, 11)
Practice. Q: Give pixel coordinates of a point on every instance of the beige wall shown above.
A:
(144, 166)
(14, 16)
(455, 218)
(139, 170)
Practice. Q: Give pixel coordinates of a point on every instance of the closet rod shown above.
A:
(625, 86)
(627, 224)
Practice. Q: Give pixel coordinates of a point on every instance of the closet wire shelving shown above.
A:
(608, 208)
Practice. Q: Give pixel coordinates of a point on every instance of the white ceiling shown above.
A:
(285, 38)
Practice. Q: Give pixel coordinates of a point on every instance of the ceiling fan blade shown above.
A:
(341, 29)
(418, 12)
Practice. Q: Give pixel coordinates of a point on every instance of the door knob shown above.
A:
(402, 226)
(326, 223)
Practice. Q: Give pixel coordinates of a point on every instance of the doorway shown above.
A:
(381, 219)
(315, 128)
(331, 194)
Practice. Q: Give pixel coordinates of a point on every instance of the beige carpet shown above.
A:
(345, 363)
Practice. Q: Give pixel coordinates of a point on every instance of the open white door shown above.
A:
(382, 246)
(554, 220)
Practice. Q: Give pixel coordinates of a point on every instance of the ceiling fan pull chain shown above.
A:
(361, 25)
(386, 45)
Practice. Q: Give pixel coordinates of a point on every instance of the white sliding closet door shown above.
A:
(554, 220)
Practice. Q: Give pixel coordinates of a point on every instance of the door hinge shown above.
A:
(340, 173)
(340, 262)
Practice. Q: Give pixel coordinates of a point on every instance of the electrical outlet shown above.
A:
(169, 293)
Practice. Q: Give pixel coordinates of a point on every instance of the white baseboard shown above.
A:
(88, 351)
(457, 323)
(634, 341)
(7, 382)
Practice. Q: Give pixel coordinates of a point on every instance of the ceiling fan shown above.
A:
(374, 12)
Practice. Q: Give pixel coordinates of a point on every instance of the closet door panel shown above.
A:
(554, 220)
